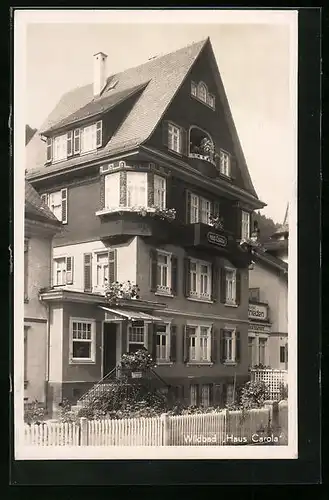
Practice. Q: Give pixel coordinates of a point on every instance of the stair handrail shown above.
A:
(94, 388)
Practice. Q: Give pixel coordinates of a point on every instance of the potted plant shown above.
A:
(134, 364)
(216, 221)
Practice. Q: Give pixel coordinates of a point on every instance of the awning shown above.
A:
(131, 315)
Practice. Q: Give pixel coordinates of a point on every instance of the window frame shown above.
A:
(245, 225)
(197, 294)
(233, 337)
(224, 171)
(232, 301)
(164, 289)
(172, 127)
(200, 85)
(63, 138)
(167, 335)
(198, 349)
(160, 189)
(91, 341)
(145, 334)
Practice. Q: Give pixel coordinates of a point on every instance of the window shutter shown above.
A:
(64, 205)
(214, 281)
(222, 346)
(112, 266)
(237, 347)
(186, 344)
(198, 394)
(87, 272)
(211, 394)
(49, 149)
(69, 270)
(44, 198)
(238, 287)
(188, 207)
(184, 142)
(213, 345)
(150, 189)
(165, 133)
(76, 146)
(233, 167)
(102, 192)
(169, 195)
(152, 340)
(216, 207)
(174, 274)
(186, 277)
(223, 285)
(173, 343)
(99, 134)
(70, 143)
(238, 222)
(154, 269)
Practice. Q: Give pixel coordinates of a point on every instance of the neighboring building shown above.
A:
(268, 311)
(40, 227)
(112, 162)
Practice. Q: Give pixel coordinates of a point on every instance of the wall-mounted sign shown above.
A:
(257, 311)
(259, 329)
(217, 239)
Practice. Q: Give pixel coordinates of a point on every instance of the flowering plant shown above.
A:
(216, 221)
(137, 361)
(125, 290)
(165, 213)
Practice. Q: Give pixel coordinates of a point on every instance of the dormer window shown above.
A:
(79, 141)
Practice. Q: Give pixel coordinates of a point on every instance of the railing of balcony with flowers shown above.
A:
(168, 214)
(126, 290)
(204, 151)
(216, 221)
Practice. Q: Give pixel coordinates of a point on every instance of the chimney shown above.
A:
(99, 72)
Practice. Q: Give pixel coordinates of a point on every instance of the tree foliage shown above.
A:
(266, 225)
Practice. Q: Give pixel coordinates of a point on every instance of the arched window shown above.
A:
(202, 92)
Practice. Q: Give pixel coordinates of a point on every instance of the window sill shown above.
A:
(163, 294)
(230, 305)
(197, 299)
(199, 363)
(82, 362)
(230, 363)
(164, 363)
(114, 210)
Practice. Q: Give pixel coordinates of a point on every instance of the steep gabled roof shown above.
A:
(35, 208)
(164, 75)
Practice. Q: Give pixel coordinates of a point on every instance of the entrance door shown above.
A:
(109, 347)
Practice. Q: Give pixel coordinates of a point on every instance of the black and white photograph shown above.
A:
(155, 191)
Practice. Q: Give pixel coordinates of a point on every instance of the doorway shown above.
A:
(110, 333)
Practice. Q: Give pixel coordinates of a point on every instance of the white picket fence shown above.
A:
(184, 430)
(273, 379)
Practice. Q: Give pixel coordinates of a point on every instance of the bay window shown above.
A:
(82, 345)
(112, 190)
(159, 192)
(136, 189)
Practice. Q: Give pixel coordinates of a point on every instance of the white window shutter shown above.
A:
(49, 149)
(69, 270)
(64, 205)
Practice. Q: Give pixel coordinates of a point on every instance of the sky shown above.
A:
(254, 59)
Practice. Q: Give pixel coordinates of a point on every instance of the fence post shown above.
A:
(227, 424)
(83, 431)
(283, 421)
(272, 406)
(165, 429)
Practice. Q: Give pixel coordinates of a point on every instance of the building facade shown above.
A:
(40, 227)
(268, 312)
(145, 171)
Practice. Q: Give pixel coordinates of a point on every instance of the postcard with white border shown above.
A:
(155, 180)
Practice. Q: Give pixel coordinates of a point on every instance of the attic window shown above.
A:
(200, 92)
